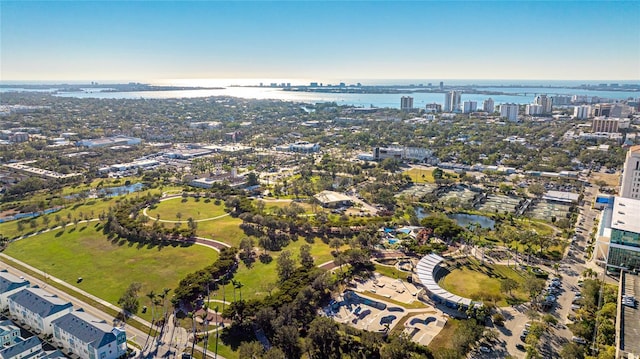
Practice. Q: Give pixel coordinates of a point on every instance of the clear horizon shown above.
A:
(151, 41)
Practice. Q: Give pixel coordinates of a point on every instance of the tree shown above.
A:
(129, 300)
(533, 286)
(285, 265)
(397, 348)
(325, 340)
(251, 350)
(305, 256)
(508, 284)
(252, 179)
(246, 245)
(572, 351)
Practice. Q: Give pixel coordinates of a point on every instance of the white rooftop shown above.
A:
(561, 196)
(626, 215)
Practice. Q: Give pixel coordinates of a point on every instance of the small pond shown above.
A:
(463, 220)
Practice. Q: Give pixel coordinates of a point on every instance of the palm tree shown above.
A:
(233, 282)
(556, 267)
(237, 284)
(215, 310)
(205, 323)
(193, 328)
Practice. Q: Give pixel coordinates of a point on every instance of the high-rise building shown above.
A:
(488, 105)
(406, 103)
(533, 109)
(452, 101)
(561, 100)
(602, 109)
(631, 174)
(545, 102)
(441, 85)
(509, 111)
(624, 243)
(608, 124)
(469, 106)
(582, 112)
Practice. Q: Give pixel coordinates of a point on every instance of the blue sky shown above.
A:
(152, 41)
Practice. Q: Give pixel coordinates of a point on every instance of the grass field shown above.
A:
(611, 179)
(106, 268)
(482, 282)
(270, 206)
(443, 339)
(169, 209)
(420, 176)
(391, 272)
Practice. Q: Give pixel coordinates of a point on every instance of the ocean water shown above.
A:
(231, 87)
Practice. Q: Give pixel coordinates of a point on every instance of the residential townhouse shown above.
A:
(10, 284)
(37, 308)
(89, 337)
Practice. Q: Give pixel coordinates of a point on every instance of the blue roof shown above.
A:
(40, 301)
(9, 282)
(22, 347)
(86, 328)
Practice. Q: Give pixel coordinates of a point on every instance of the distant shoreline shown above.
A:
(130, 87)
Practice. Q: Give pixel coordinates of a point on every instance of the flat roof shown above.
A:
(629, 317)
(561, 196)
(626, 215)
(332, 197)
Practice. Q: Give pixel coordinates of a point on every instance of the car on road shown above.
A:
(579, 340)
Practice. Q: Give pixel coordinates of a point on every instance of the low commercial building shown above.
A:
(299, 146)
(22, 167)
(331, 199)
(402, 153)
(109, 141)
(89, 337)
(121, 167)
(561, 197)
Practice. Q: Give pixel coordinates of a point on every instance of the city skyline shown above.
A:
(163, 41)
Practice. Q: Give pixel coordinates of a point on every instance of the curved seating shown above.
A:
(427, 269)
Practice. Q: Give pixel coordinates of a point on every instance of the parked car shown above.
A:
(485, 349)
(575, 307)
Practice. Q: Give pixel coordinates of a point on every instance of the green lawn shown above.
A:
(420, 175)
(91, 208)
(476, 281)
(391, 272)
(106, 268)
(443, 339)
(261, 277)
(225, 229)
(169, 209)
(270, 206)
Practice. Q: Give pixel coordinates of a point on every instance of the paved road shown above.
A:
(171, 343)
